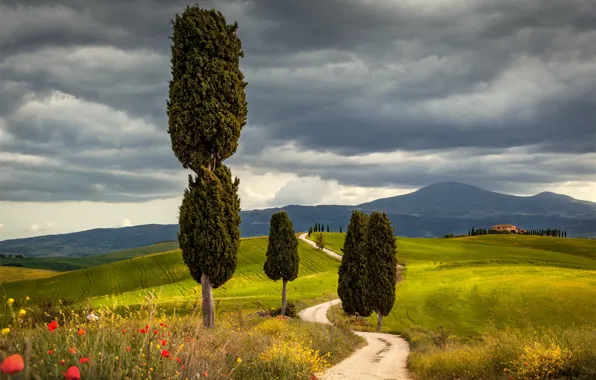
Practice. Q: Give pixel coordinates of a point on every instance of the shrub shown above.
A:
(290, 311)
(541, 361)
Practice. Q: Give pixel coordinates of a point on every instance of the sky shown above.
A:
(348, 101)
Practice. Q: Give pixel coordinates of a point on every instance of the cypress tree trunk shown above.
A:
(379, 321)
(208, 305)
(283, 297)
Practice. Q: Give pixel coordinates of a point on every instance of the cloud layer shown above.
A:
(342, 95)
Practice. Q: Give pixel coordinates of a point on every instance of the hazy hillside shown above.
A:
(429, 212)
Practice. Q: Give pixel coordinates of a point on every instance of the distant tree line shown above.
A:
(535, 232)
(319, 227)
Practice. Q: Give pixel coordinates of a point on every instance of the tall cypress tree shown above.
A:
(340, 230)
(327, 228)
(206, 111)
(381, 275)
(282, 253)
(352, 285)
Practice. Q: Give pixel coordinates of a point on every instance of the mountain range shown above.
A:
(432, 211)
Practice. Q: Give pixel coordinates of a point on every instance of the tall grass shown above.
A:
(567, 352)
(141, 343)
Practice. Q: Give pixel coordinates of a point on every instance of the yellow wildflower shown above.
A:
(27, 298)
(10, 301)
(238, 360)
(5, 331)
(22, 312)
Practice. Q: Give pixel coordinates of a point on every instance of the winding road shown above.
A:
(384, 358)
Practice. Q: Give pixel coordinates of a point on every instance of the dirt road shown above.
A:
(384, 358)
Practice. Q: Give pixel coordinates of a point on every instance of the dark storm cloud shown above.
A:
(348, 77)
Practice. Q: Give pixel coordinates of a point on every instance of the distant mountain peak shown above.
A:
(550, 194)
(450, 186)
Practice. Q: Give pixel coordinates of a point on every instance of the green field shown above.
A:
(465, 284)
(166, 275)
(580, 252)
(11, 274)
(62, 264)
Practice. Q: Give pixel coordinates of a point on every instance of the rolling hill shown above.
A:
(166, 275)
(463, 284)
(432, 211)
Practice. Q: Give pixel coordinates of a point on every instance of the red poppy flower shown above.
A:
(123, 331)
(163, 342)
(84, 360)
(179, 360)
(205, 374)
(146, 327)
(62, 362)
(72, 350)
(81, 332)
(128, 348)
(165, 353)
(12, 364)
(50, 352)
(72, 373)
(155, 332)
(313, 377)
(161, 324)
(182, 368)
(143, 331)
(52, 325)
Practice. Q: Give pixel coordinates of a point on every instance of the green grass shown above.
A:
(488, 247)
(465, 284)
(62, 264)
(579, 247)
(466, 299)
(166, 275)
(12, 274)
(142, 251)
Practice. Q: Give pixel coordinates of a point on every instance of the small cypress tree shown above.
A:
(340, 230)
(327, 228)
(352, 285)
(282, 258)
(206, 111)
(381, 265)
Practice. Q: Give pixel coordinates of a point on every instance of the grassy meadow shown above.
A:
(165, 275)
(493, 306)
(12, 274)
(470, 307)
(62, 264)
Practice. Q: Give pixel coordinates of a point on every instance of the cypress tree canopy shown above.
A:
(209, 202)
(381, 263)
(207, 105)
(282, 250)
(352, 286)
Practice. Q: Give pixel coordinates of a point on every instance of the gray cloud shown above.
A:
(349, 77)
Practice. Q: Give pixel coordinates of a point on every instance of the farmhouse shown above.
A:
(508, 228)
(19, 256)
